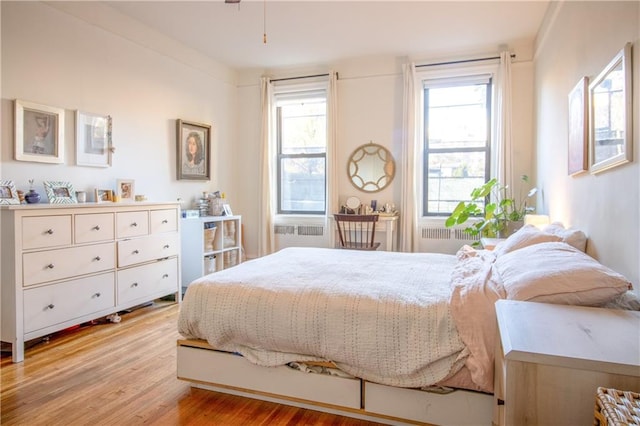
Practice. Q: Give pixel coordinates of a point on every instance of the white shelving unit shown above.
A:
(209, 244)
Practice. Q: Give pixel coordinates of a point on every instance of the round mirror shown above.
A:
(371, 168)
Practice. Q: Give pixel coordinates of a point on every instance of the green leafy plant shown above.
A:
(501, 209)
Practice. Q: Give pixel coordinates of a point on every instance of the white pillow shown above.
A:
(523, 237)
(571, 236)
(556, 272)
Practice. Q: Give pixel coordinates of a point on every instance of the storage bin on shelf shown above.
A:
(209, 236)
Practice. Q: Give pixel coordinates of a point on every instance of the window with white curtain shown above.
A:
(301, 135)
(457, 140)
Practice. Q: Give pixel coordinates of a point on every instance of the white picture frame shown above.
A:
(610, 119)
(93, 139)
(8, 193)
(38, 132)
(59, 192)
(227, 210)
(126, 189)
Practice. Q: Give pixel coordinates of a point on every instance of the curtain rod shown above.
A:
(462, 61)
(302, 76)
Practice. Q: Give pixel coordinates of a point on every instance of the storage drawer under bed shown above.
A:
(224, 369)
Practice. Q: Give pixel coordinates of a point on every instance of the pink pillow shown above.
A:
(573, 237)
(524, 237)
(558, 273)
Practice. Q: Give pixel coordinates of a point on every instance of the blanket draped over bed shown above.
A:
(382, 316)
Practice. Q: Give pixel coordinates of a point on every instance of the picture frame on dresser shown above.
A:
(126, 189)
(193, 150)
(59, 192)
(93, 139)
(38, 132)
(8, 193)
(103, 195)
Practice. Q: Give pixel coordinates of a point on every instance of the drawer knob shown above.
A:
(165, 221)
(97, 294)
(97, 258)
(49, 231)
(166, 246)
(50, 306)
(165, 276)
(134, 285)
(134, 224)
(135, 252)
(50, 266)
(96, 228)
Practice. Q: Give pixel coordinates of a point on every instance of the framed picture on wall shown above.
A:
(39, 133)
(93, 139)
(578, 128)
(610, 120)
(193, 150)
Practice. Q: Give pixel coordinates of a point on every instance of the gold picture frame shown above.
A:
(193, 150)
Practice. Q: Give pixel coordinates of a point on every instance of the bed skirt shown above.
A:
(208, 368)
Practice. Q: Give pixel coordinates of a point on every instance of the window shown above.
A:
(457, 129)
(301, 134)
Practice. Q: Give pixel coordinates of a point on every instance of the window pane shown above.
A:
(457, 116)
(452, 177)
(302, 184)
(304, 127)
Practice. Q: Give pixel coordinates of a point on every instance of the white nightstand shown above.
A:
(550, 359)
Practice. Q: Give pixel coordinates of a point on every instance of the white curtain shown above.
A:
(332, 155)
(410, 154)
(503, 166)
(266, 237)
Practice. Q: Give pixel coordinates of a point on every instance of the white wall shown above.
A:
(369, 109)
(51, 57)
(579, 39)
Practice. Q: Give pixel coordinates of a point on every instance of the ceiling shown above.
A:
(303, 32)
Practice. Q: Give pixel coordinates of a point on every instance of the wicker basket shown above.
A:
(616, 408)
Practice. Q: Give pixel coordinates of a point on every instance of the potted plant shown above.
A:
(502, 214)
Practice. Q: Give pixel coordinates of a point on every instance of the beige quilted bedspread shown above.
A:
(381, 316)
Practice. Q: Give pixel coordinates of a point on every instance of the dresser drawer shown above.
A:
(132, 224)
(95, 227)
(140, 250)
(163, 220)
(44, 266)
(148, 281)
(46, 231)
(54, 304)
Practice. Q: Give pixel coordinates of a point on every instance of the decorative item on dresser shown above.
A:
(8, 193)
(63, 265)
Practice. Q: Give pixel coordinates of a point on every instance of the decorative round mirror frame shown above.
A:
(371, 151)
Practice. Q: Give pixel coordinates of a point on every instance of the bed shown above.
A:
(405, 337)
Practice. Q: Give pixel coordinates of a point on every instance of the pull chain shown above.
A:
(264, 23)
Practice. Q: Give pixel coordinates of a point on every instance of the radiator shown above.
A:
(300, 236)
(439, 239)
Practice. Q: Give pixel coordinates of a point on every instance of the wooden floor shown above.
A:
(125, 374)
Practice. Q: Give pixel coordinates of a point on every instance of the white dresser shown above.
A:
(63, 265)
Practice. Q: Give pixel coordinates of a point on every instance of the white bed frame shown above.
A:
(219, 371)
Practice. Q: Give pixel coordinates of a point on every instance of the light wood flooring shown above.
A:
(125, 374)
